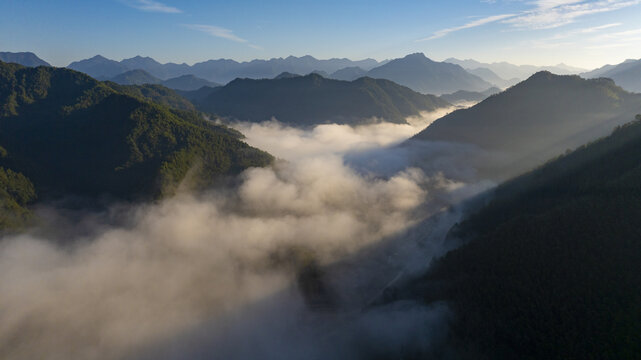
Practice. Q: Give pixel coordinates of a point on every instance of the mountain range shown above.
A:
(538, 118)
(627, 74)
(511, 72)
(69, 134)
(219, 71)
(141, 77)
(313, 99)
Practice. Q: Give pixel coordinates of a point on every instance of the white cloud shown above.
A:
(546, 14)
(550, 14)
(154, 6)
(216, 31)
(475, 23)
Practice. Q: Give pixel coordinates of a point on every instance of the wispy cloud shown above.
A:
(153, 6)
(549, 14)
(216, 31)
(219, 32)
(545, 14)
(475, 23)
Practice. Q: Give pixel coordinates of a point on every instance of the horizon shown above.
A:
(583, 34)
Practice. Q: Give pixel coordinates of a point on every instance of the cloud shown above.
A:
(221, 268)
(216, 31)
(553, 14)
(475, 23)
(545, 14)
(154, 6)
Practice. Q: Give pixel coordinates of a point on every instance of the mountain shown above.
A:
(155, 93)
(187, 83)
(627, 74)
(99, 67)
(135, 77)
(348, 73)
(197, 96)
(219, 71)
(489, 76)
(464, 97)
(286, 75)
(506, 70)
(551, 266)
(312, 99)
(421, 74)
(23, 58)
(72, 135)
(538, 118)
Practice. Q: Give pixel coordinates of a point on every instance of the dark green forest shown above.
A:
(550, 266)
(313, 99)
(69, 134)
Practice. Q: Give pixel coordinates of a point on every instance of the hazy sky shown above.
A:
(541, 32)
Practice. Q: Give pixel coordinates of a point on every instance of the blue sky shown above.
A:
(541, 32)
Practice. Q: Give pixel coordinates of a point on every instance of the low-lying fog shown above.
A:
(286, 265)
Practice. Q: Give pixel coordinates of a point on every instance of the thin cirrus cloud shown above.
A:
(545, 14)
(475, 23)
(222, 33)
(153, 6)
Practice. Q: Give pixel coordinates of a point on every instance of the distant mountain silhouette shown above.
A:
(489, 76)
(23, 58)
(99, 67)
(627, 74)
(286, 75)
(218, 71)
(312, 99)
(421, 74)
(538, 118)
(506, 70)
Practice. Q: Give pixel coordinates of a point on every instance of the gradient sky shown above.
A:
(587, 34)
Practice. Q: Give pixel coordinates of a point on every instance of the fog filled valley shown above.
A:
(301, 208)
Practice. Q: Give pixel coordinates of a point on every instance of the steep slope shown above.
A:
(312, 99)
(135, 77)
(16, 192)
(552, 265)
(627, 74)
(538, 118)
(188, 83)
(23, 58)
(72, 135)
(429, 77)
(154, 93)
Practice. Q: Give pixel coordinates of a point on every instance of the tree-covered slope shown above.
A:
(135, 77)
(16, 192)
(154, 93)
(70, 134)
(312, 99)
(552, 264)
(538, 118)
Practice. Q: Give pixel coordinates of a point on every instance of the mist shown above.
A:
(218, 275)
